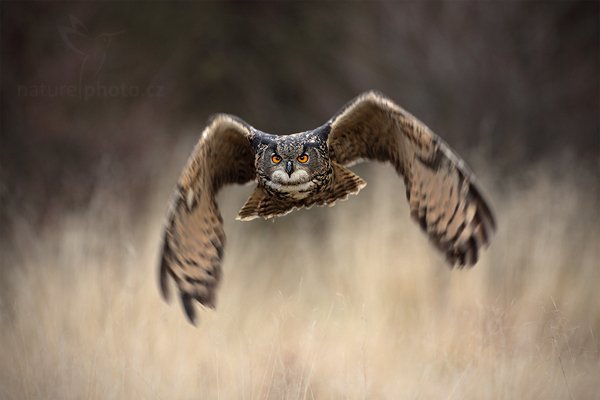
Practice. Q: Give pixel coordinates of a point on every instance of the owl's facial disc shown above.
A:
(289, 170)
(295, 166)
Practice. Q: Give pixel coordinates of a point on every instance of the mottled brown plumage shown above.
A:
(309, 168)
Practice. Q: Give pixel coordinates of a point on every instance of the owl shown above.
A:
(311, 168)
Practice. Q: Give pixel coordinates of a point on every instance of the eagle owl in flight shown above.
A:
(310, 168)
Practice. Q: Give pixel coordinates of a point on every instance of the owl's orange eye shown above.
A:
(303, 158)
(276, 159)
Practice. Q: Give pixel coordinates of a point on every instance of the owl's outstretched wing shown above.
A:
(193, 236)
(441, 190)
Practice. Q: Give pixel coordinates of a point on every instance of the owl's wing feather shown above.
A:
(193, 237)
(442, 192)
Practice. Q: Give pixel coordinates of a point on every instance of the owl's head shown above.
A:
(294, 165)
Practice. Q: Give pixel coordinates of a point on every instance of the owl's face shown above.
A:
(293, 166)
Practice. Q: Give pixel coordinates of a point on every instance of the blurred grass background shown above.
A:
(351, 302)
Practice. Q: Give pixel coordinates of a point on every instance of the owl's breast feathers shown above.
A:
(270, 200)
(298, 185)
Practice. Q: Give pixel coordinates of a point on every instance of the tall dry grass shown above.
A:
(348, 302)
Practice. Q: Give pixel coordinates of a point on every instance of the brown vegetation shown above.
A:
(347, 302)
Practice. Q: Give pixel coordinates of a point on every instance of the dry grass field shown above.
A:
(349, 302)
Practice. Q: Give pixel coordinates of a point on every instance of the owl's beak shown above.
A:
(289, 168)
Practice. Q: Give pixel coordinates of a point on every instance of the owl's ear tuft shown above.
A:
(259, 138)
(255, 141)
(323, 131)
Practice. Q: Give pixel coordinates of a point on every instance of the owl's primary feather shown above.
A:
(442, 193)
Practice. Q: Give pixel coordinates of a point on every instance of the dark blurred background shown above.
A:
(102, 102)
(105, 92)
